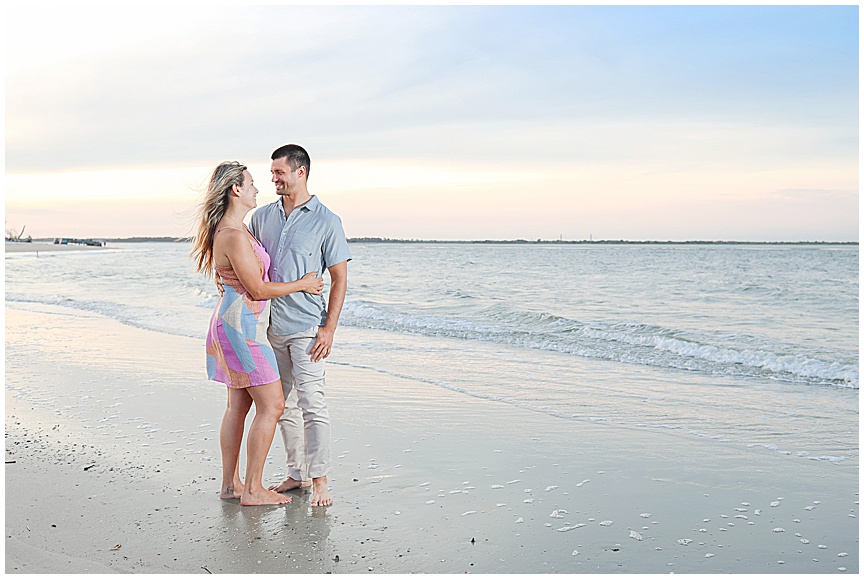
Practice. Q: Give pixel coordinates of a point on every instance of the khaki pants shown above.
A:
(305, 423)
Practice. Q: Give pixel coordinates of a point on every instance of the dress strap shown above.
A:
(252, 239)
(215, 233)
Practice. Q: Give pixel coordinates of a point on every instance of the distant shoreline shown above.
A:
(595, 242)
(503, 241)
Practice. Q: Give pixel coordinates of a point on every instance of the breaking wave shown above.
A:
(712, 353)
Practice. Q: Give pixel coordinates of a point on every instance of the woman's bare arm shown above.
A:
(235, 247)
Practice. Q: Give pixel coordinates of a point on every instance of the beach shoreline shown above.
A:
(36, 246)
(425, 479)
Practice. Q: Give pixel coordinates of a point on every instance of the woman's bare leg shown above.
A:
(230, 438)
(269, 404)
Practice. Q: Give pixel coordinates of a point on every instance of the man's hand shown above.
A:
(338, 286)
(321, 347)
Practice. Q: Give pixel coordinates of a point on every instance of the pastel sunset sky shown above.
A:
(442, 122)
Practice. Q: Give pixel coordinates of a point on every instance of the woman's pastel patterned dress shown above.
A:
(238, 353)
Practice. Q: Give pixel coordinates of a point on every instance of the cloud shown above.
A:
(817, 195)
(385, 81)
(628, 110)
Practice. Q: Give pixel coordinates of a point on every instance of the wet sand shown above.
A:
(112, 465)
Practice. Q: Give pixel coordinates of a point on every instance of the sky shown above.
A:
(669, 123)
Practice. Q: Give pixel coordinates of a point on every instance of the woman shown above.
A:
(238, 353)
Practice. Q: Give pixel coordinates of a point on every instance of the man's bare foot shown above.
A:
(263, 497)
(289, 484)
(320, 493)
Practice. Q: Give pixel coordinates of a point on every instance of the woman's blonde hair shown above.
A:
(212, 210)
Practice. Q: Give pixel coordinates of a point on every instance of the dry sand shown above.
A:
(37, 246)
(112, 434)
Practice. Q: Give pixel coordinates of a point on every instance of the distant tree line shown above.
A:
(595, 242)
(519, 241)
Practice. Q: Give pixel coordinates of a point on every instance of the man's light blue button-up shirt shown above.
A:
(310, 239)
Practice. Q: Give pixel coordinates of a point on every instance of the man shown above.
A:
(302, 236)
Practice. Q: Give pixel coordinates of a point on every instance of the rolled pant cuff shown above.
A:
(319, 470)
(296, 474)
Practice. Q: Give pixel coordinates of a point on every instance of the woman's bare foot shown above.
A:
(320, 493)
(263, 497)
(289, 484)
(230, 492)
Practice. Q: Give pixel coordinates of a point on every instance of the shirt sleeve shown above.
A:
(336, 245)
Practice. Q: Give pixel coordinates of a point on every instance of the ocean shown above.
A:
(748, 346)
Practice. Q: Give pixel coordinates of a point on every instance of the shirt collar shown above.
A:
(312, 205)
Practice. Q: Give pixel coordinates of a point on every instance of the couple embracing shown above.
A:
(271, 330)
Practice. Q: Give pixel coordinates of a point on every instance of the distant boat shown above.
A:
(76, 241)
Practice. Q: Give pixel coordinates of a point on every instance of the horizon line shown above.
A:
(134, 239)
